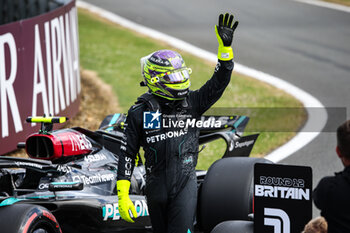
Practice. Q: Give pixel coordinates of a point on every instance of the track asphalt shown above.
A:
(306, 45)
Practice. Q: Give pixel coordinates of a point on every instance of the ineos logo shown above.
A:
(277, 218)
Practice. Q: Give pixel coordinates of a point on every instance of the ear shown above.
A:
(338, 152)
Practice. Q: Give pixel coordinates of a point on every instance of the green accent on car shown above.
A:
(103, 211)
(113, 121)
(44, 196)
(155, 152)
(180, 145)
(239, 121)
(64, 183)
(10, 201)
(47, 196)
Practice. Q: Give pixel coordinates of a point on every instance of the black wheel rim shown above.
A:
(43, 226)
(40, 230)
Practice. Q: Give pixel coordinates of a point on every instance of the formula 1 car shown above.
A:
(69, 182)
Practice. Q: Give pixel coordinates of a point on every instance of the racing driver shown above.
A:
(171, 150)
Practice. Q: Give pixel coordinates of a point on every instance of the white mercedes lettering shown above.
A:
(95, 158)
(95, 179)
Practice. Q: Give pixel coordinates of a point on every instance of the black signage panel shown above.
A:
(282, 198)
(242, 146)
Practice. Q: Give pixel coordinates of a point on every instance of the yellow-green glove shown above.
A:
(224, 33)
(124, 202)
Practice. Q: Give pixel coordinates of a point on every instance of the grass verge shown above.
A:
(114, 53)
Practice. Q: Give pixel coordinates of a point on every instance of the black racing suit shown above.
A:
(332, 197)
(171, 152)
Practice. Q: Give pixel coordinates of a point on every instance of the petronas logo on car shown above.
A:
(111, 211)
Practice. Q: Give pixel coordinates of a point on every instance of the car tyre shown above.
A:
(227, 191)
(234, 226)
(26, 218)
